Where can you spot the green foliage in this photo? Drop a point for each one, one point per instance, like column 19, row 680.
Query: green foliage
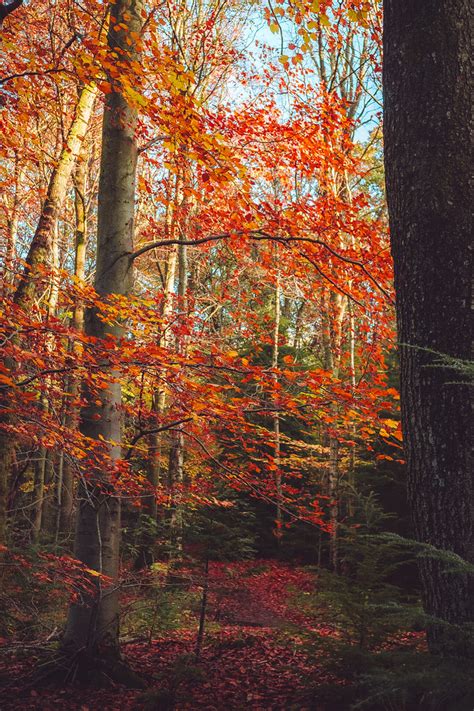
column 142, row 534
column 161, row 610
column 363, row 602
column 407, row 680
column 377, row 653
column 222, row 533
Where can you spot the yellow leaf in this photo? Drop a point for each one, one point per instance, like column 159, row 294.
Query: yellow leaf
column 135, row 97
column 274, row 27
column 392, row 424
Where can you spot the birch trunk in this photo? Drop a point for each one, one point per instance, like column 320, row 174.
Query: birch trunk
column 176, row 457
column 41, row 244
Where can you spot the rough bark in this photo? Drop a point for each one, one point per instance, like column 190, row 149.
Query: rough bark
column 428, row 171
column 93, row 627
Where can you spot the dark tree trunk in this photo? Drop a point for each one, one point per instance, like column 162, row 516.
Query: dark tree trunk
column 428, row 168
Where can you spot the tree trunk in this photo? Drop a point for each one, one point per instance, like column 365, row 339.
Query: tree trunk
column 38, row 495
column 66, row 491
column 38, row 255
column 41, row 244
column 276, row 415
column 12, row 226
column 48, row 502
column 155, row 440
column 176, row 456
column 334, row 313
column 93, row 627
column 428, row 170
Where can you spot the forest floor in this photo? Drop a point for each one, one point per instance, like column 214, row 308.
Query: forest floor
column 257, row 653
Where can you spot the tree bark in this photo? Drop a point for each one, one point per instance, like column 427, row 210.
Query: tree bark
column 176, row 455
column 428, row 170
column 276, row 415
column 93, row 627
column 41, row 244
column 66, row 490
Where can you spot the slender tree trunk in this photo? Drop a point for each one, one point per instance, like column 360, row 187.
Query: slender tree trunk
column 93, row 627
column 66, row 490
column 38, row 255
column 176, row 457
column 38, row 495
column 12, row 224
column 155, row 440
column 352, row 454
column 159, row 396
column 428, row 90
column 335, row 308
column 276, row 416
column 48, row 501
column 202, row 614
column 41, row 244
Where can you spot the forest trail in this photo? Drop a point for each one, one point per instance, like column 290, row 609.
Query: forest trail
column 253, row 656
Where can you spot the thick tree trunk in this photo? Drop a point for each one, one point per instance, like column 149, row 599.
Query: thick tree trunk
column 428, row 171
column 93, row 626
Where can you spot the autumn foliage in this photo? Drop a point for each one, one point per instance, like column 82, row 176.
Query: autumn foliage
column 254, row 348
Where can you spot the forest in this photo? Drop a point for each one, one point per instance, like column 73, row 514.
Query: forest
column 236, row 355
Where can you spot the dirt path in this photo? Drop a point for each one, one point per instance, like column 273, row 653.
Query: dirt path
column 247, row 662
